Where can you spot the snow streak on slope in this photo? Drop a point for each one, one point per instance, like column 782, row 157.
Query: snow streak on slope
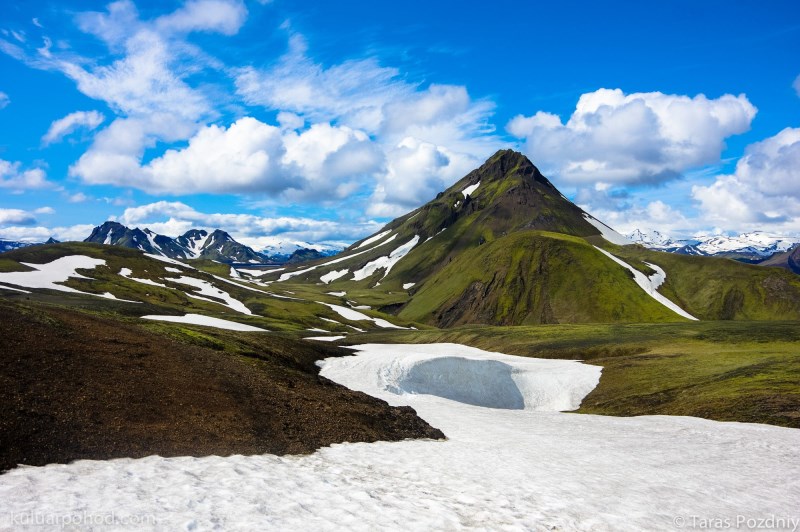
column 387, row 263
column 208, row 321
column 607, row 233
column 333, row 275
column 49, row 274
column 208, row 289
column 127, row 273
column 354, row 315
column 650, row 284
column 471, row 189
column 337, row 260
column 500, row 469
column 372, row 239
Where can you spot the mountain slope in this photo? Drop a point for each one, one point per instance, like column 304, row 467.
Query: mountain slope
column 502, row 246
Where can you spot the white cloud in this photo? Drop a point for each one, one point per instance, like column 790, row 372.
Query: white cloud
column 78, row 197
column 40, row 234
column 45, row 210
column 796, row 85
column 16, row 217
column 222, row 16
column 764, row 190
column 635, row 138
column 64, row 126
column 175, row 218
column 4, row 100
column 14, row 178
column 416, row 171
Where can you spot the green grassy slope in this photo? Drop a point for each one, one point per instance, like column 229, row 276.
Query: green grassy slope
column 722, row 289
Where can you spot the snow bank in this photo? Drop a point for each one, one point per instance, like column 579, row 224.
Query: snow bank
column 169, row 260
column 464, row 374
column 48, row 275
column 471, row 189
column 649, row 284
column 607, row 233
column 208, row 321
column 128, row 274
column 337, row 260
column 499, row 469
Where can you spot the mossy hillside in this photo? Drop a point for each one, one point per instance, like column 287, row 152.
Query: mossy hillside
column 532, row 277
column 727, row 371
column 722, row 289
column 270, row 311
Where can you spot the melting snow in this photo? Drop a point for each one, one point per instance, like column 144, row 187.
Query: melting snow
column 337, row 294
column 373, row 239
column 354, row 315
column 386, row 262
column 289, row 275
column 607, row 233
column 126, row 272
column 500, row 468
column 470, row 189
column 333, row 275
column 406, row 286
column 260, row 272
column 324, row 338
column 208, row 289
column 208, row 321
column 169, row 260
column 57, row 271
column 650, row 284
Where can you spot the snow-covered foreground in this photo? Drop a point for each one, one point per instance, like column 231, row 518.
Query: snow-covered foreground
column 525, row 466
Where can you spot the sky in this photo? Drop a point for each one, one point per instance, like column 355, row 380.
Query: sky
column 320, row 121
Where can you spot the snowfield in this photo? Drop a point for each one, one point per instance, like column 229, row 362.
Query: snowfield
column 500, row 468
column 207, row 321
column 49, row 275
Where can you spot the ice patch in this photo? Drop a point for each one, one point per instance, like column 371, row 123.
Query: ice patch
column 650, row 284
column 387, row 263
column 470, row 189
column 208, row 321
column 607, row 233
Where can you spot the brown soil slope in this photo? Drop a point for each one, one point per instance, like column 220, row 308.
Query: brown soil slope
column 77, row 386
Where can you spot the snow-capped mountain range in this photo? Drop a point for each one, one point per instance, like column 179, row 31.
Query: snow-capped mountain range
column 754, row 245
column 200, row 244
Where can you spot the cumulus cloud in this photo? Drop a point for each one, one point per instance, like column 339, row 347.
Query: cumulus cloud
column 45, row 210
column 175, row 218
column 634, row 138
column 763, row 191
column 4, row 100
column 40, row 234
column 64, row 126
column 16, row 217
column 13, row 177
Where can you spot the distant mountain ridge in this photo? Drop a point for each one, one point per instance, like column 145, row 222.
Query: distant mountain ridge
column 194, row 244
column 755, row 246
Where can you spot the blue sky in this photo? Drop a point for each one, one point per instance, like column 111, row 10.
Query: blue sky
column 320, row 121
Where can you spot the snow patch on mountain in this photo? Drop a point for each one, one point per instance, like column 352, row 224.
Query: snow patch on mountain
column 607, row 233
column 386, row 262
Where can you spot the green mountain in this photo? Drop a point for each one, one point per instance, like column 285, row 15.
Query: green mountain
column 503, row 246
